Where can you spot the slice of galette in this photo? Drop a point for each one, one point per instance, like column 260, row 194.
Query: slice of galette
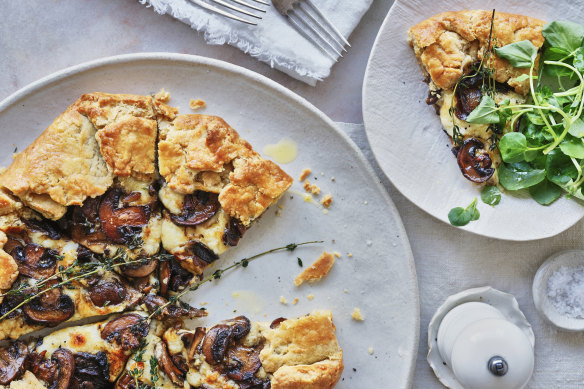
column 457, row 52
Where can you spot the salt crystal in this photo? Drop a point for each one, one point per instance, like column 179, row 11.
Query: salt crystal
column 565, row 290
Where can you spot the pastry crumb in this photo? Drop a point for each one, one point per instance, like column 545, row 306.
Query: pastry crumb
column 295, row 301
column 345, row 290
column 356, row 315
column 162, row 96
column 327, row 200
column 332, row 179
column 283, row 300
column 365, row 202
column 197, row 104
column 203, row 303
column 370, row 350
column 317, row 270
column 278, row 212
column 337, row 254
column 280, row 206
column 311, row 188
column 235, row 294
column 310, row 297
column 349, row 255
column 325, row 211
column 305, row 173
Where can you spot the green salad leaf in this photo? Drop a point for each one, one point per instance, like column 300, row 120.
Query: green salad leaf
column 519, row 175
column 545, row 192
column 491, row 195
column 513, row 146
column 563, row 35
column 519, row 54
column 486, row 112
column 459, row 216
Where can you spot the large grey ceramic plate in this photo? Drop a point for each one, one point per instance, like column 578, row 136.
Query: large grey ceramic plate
column 380, row 276
column 407, row 138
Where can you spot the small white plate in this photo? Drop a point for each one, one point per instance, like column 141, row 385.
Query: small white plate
column 504, row 302
column 570, row 258
column 409, row 144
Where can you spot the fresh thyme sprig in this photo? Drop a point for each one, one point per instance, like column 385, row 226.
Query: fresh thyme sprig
column 487, row 72
column 218, row 273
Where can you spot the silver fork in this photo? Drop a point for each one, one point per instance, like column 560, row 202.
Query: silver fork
column 304, row 16
column 237, row 10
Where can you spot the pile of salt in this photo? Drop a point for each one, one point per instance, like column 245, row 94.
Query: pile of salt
column 565, row 290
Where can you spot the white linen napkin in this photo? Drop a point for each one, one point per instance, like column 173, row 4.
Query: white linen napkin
column 273, row 40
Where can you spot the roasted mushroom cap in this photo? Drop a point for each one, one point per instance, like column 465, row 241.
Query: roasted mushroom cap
column 110, row 292
column 197, row 208
column 195, row 342
column 121, row 225
column 173, row 276
column 59, row 368
column 233, row 232
column 12, row 361
column 138, row 270
column 468, row 96
column 474, row 161
column 35, row 261
column 216, row 343
column 83, row 222
column 276, row 322
column 242, row 362
column 50, row 308
column 91, row 371
column 10, row 302
column 241, row 326
column 175, row 371
column 127, row 330
column 196, row 253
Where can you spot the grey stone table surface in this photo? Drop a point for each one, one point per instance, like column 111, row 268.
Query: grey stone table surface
column 39, row 37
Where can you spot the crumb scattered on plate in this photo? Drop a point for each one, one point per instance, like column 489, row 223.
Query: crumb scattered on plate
column 327, row 200
column 305, row 173
column 295, row 301
column 349, row 255
column 310, row 297
column 283, row 300
column 317, row 270
column 346, row 290
column 332, row 179
column 337, row 254
column 162, row 96
column 370, row 350
column 356, row 315
column 197, row 104
column 311, row 188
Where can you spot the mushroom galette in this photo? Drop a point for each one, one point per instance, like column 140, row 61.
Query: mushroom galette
column 456, row 52
column 121, row 203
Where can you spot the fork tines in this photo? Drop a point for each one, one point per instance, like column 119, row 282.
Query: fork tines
column 313, row 25
column 224, row 6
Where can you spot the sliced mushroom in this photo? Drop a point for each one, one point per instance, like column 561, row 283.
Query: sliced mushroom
column 66, row 367
column 468, row 96
column 172, row 311
column 198, row 337
column 127, row 330
column 35, row 261
column 176, row 373
column 125, row 382
column 91, row 371
column 216, row 343
column 10, row 302
column 84, row 222
column 12, row 361
column 164, row 277
column 44, row 226
column 50, row 308
column 121, row 225
column 276, row 323
column 198, row 254
column 138, row 270
column 474, row 161
column 110, row 292
column 242, row 362
column 233, row 232
column 255, row 383
column 241, row 326
column 197, row 208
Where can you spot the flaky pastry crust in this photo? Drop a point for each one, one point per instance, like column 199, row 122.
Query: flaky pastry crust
column 447, row 43
column 201, row 152
column 303, row 353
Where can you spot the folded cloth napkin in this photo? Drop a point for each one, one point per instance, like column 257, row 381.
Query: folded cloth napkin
column 273, row 40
